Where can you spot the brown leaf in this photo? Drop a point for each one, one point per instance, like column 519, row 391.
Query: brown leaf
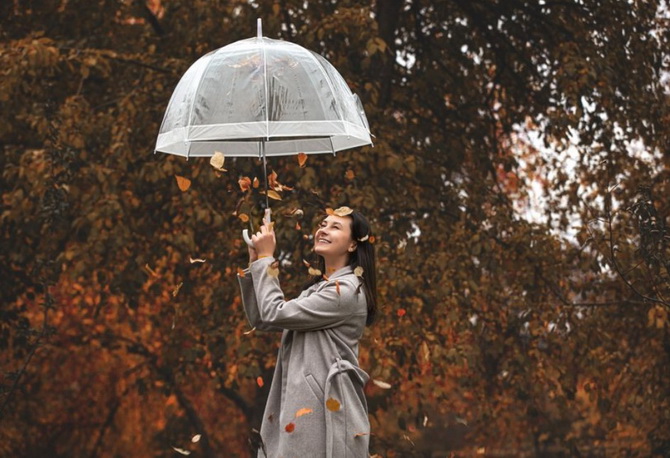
column 314, row 272
column 272, row 194
column 183, row 183
column 240, row 272
column 245, row 183
column 290, row 427
column 273, row 269
column 349, row 175
column 333, row 404
column 244, row 217
column 302, row 159
column 256, row 183
column 303, row 411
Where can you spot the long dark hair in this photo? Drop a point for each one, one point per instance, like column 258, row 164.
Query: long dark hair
column 363, row 256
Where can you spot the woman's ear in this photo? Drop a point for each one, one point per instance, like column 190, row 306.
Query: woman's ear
column 352, row 247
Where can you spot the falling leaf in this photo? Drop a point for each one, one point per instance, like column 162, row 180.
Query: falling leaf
column 193, row 261
column 272, row 181
column 363, row 239
column 302, row 412
column 314, row 272
column 183, row 183
column 358, row 271
column 217, row 161
column 290, row 427
column 272, row 194
column 246, row 333
column 401, row 312
column 382, row 385
column 196, row 438
column 343, row 211
column 244, row 217
column 181, row 450
column 260, row 382
column 151, row 271
column 372, row 239
column 333, row 404
column 330, row 211
column 176, row 290
column 256, row 183
column 297, row 226
column 273, row 269
column 302, row 159
column 240, row 272
column 245, row 183
column 337, row 287
column 349, row 175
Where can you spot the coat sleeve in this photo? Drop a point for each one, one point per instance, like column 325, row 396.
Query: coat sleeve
column 250, row 304
column 329, row 306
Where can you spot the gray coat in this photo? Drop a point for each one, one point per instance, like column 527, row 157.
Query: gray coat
column 317, row 365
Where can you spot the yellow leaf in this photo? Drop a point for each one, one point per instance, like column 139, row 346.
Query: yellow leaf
column 358, row 271
column 333, row 405
column 273, row 269
column 272, row 194
column 382, row 385
column 302, row 159
column 314, row 272
column 176, row 290
column 302, row 412
column 196, row 438
column 196, row 260
column 343, row 211
column 183, row 183
column 217, row 161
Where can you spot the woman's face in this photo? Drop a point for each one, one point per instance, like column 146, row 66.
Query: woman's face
column 333, row 237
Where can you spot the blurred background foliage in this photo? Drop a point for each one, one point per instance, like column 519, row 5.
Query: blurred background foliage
column 517, row 186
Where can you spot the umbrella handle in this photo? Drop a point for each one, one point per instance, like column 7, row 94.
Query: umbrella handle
column 245, row 232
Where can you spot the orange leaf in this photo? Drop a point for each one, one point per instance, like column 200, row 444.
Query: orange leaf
column 302, row 159
column 272, row 180
column 272, row 194
column 329, row 211
column 183, row 183
column 244, row 217
column 260, row 382
column 245, row 183
column 290, row 427
column 240, row 272
column 256, row 183
column 372, row 239
column 337, row 287
column 333, row 405
column 302, row 412
column 349, row 175
column 297, row 226
column 401, row 312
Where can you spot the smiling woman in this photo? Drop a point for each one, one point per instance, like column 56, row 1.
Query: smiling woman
column 316, row 406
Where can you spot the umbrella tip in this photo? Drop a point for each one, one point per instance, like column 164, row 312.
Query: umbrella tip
column 259, row 28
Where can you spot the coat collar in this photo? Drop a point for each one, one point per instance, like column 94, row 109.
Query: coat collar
column 346, row 270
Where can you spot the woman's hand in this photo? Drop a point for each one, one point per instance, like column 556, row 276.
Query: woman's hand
column 264, row 241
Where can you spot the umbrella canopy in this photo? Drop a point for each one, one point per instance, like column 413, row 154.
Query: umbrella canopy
column 262, row 97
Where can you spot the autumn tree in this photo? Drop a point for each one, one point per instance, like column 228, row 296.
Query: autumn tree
column 517, row 187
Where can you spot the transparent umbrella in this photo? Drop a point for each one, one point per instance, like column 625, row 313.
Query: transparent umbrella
column 261, row 97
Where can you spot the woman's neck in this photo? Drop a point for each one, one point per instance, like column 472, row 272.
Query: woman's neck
column 333, row 265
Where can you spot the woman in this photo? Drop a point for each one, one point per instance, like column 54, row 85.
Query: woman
column 316, row 406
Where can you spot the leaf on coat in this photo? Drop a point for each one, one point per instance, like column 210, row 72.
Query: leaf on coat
column 196, row 438
column 333, row 404
column 183, row 183
column 302, row 160
column 337, row 287
column 245, row 184
column 303, row 411
column 382, row 385
column 273, row 269
column 260, row 382
column 358, row 271
column 181, row 451
column 290, row 427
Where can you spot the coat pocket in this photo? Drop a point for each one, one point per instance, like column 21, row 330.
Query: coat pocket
column 314, row 386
